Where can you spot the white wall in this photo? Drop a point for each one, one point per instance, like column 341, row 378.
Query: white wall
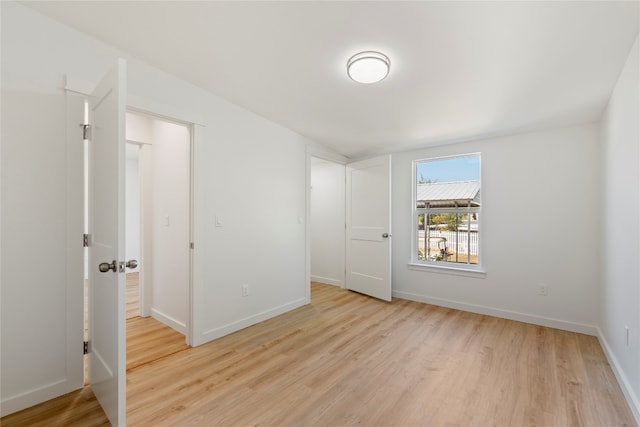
column 139, row 128
column 620, row 291
column 247, row 170
column 170, row 217
column 539, row 224
column 252, row 178
column 132, row 203
column 42, row 223
column 327, row 195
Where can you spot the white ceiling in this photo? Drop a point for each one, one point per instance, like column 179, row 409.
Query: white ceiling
column 459, row 70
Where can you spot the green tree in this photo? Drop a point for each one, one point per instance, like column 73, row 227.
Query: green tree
column 423, row 180
column 454, row 221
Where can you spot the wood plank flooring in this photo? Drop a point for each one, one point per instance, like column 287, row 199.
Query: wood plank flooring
column 133, row 295
column 347, row 359
column 149, row 340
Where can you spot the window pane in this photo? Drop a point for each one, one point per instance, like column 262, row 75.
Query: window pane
column 449, row 182
column 448, row 237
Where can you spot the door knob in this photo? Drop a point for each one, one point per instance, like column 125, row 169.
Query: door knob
column 386, row 235
column 105, row 266
column 132, row 263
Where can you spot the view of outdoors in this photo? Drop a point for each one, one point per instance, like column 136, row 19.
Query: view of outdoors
column 447, row 209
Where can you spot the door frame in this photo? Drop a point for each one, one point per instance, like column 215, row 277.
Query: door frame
column 145, row 290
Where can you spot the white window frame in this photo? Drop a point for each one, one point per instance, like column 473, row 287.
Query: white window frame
column 471, row 270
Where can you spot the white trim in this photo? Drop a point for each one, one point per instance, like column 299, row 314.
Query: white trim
column 192, row 235
column 458, row 270
column 632, row 399
column 549, row 322
column 307, row 228
column 169, row 321
column 229, row 328
column 322, row 152
column 445, row 269
column 133, row 141
column 145, row 173
column 142, row 105
column 327, row 280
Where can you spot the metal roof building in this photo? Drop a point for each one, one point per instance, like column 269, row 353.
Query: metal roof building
column 448, row 194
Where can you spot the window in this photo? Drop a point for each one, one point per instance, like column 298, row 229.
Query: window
column 447, row 211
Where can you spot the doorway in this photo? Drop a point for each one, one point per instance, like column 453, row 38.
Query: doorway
column 158, row 218
column 327, row 221
column 132, row 220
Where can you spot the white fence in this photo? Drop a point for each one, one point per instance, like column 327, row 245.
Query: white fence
column 457, row 241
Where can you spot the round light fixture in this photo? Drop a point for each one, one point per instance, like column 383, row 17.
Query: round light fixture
column 368, row 67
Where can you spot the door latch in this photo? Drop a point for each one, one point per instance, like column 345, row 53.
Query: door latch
column 123, row 265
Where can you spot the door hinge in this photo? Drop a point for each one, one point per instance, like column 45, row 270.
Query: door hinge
column 85, row 347
column 191, row 245
column 86, row 131
column 85, row 240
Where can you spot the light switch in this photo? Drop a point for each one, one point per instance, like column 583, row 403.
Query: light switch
column 219, row 222
column 166, row 220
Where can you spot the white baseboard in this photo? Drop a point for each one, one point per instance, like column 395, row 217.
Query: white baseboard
column 36, row 396
column 632, row 398
column 221, row 331
column 169, row 321
column 327, row 280
column 504, row 314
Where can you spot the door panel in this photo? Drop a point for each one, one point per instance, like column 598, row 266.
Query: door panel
column 107, row 339
column 368, row 220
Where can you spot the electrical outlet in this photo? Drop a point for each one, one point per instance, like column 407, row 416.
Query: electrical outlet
column 543, row 290
column 245, row 290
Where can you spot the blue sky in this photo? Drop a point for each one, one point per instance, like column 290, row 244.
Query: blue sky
column 450, row 169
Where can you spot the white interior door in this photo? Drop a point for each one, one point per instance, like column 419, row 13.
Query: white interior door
column 107, row 340
column 369, row 227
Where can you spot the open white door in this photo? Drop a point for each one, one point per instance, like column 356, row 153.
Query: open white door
column 107, row 329
column 369, row 227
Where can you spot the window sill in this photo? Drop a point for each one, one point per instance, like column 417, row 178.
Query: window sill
column 441, row 269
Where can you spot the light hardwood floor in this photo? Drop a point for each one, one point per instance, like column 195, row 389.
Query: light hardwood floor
column 149, row 340
column 133, row 295
column 348, row 359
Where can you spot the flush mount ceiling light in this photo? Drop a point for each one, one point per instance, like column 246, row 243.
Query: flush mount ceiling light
column 368, row 67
